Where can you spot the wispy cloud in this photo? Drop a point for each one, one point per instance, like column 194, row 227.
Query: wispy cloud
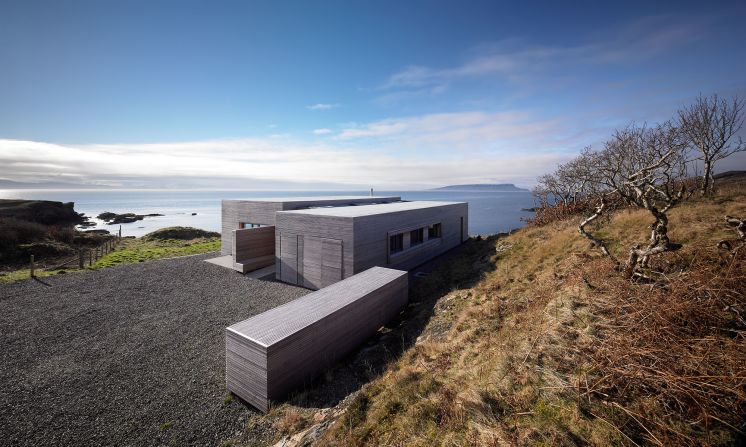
column 472, row 132
column 512, row 59
column 322, row 131
column 322, row 106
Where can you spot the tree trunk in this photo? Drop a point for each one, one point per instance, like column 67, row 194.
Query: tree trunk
column 659, row 243
column 706, row 189
column 594, row 240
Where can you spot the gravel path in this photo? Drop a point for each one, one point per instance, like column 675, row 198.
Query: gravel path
column 130, row 355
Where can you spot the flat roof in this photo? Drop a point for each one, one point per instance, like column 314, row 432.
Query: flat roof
column 274, row 325
column 314, row 199
column 370, row 210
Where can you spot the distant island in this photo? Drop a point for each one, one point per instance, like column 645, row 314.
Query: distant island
column 482, row 187
column 10, row 184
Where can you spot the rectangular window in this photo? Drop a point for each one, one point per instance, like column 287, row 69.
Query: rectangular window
column 433, row 231
column 416, row 236
column 396, row 243
column 243, row 225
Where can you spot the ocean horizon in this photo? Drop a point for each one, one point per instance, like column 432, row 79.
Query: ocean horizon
column 489, row 211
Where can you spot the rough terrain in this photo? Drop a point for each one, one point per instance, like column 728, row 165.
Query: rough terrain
column 130, row 355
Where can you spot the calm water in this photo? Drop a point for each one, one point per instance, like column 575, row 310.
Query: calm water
column 489, row 212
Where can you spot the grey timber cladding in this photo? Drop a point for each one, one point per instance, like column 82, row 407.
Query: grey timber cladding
column 253, row 248
column 253, row 242
column 277, row 351
column 372, row 235
column 262, row 211
column 363, row 233
column 300, row 249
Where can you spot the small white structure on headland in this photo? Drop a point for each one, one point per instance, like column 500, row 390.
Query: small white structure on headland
column 316, row 241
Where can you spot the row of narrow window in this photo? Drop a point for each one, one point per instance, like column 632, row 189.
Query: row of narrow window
column 243, row 225
column 416, row 237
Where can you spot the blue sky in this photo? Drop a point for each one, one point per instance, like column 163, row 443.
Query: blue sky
column 388, row 94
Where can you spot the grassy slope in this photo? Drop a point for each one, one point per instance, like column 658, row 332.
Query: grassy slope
column 140, row 250
column 131, row 251
column 502, row 361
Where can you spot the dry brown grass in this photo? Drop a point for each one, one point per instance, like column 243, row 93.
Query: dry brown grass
column 552, row 347
column 672, row 355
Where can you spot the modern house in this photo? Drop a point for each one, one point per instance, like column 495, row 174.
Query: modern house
column 317, row 241
column 354, row 251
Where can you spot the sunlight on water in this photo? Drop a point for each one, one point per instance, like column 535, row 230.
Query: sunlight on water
column 489, row 212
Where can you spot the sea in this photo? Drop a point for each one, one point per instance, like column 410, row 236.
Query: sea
column 489, row 212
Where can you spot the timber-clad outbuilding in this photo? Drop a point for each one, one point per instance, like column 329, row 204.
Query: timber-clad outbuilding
column 277, row 351
column 317, row 241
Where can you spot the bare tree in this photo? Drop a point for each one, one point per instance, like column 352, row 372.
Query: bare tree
column 657, row 187
column 642, row 167
column 569, row 183
column 710, row 125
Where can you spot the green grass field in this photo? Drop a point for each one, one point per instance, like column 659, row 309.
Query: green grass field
column 130, row 251
column 138, row 250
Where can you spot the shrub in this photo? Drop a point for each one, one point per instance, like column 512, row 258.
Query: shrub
column 548, row 214
column 61, row 234
column 15, row 231
column 184, row 233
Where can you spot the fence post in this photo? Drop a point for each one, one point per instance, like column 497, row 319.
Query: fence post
column 120, row 232
column 32, row 266
column 90, row 257
column 81, row 261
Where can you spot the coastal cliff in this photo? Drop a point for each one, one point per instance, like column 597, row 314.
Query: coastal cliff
column 45, row 212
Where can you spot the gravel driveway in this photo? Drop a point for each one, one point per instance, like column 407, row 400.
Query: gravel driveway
column 130, row 355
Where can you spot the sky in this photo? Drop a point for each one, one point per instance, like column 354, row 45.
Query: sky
column 343, row 94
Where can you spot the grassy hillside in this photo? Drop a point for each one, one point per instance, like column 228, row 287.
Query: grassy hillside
column 534, row 339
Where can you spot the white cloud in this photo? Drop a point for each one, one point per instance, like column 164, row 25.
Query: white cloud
column 470, row 132
column 323, row 131
column 410, row 152
column 322, row 106
column 247, row 160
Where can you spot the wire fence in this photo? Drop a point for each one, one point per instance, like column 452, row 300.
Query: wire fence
column 84, row 256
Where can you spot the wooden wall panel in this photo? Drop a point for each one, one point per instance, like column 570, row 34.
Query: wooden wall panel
column 253, row 248
column 253, row 242
column 311, row 262
column 322, row 262
column 289, row 257
column 313, row 229
column 275, row 352
column 371, row 236
column 331, row 261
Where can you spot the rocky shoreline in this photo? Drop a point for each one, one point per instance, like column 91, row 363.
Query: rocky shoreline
column 113, row 218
